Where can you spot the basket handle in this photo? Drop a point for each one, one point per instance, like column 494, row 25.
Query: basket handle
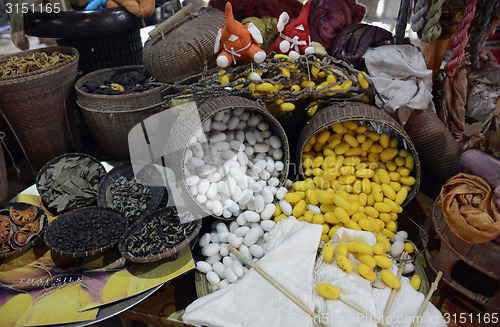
column 32, row 170
column 179, row 16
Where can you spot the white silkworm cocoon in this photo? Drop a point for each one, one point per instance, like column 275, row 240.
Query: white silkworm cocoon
column 409, row 268
column 270, row 165
column 197, row 150
column 221, row 227
column 201, row 198
column 237, row 111
column 240, row 136
column 224, row 283
column 242, row 159
column 222, row 187
column 217, row 209
column 314, row 209
column 217, row 137
column 403, row 234
column 203, row 266
column 245, row 196
column 250, row 137
column 232, row 123
column 259, row 203
column 240, row 178
column 399, row 238
column 233, row 226
column 249, row 151
column 228, row 155
column 273, row 181
column 220, row 146
column 219, row 115
column 234, row 240
column 251, row 237
column 224, row 249
column 214, row 178
column 206, row 125
column 275, row 142
column 193, row 190
column 258, row 137
column 219, row 268
column 210, row 249
column 288, row 183
column 214, row 288
column 226, row 117
column 286, row 208
column 263, row 126
column 237, row 145
column 267, row 194
column 231, row 206
column 238, row 268
column 277, row 154
column 267, row 225
column 223, row 236
column 212, row 191
column 214, row 238
column 230, row 275
column 268, row 211
column 257, row 251
column 192, row 180
column 227, row 261
column 266, row 135
column 280, row 194
column 246, row 252
column 203, row 186
column 214, row 258
column 244, row 117
column 251, row 216
column 265, row 237
column 241, row 231
column 254, row 121
column 397, row 248
column 188, row 155
column 206, row 170
column 195, row 162
column 204, row 240
column 226, row 213
column 213, row 278
column 279, row 166
column 265, row 175
column 218, row 126
column 241, row 219
column 261, row 147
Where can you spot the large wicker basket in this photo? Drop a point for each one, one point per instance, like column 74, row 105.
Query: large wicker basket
column 35, row 105
column 367, row 114
column 110, row 117
column 187, row 49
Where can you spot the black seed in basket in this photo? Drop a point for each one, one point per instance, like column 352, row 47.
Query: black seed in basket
column 128, row 196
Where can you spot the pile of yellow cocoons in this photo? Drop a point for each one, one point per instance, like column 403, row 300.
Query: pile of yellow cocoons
column 355, row 178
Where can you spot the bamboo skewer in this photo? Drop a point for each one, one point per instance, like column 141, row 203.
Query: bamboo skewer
column 315, row 316
column 427, row 299
column 404, row 256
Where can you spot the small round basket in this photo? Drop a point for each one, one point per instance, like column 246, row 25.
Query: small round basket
column 158, row 236
column 184, row 133
column 186, row 49
column 73, row 175
column 21, row 226
column 129, row 204
column 367, row 115
column 85, row 231
column 110, row 117
column 23, row 97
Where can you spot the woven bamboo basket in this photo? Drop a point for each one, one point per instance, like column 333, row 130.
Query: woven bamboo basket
column 186, row 49
column 438, row 149
column 367, row 115
column 184, row 130
column 110, row 117
column 3, row 173
column 35, row 104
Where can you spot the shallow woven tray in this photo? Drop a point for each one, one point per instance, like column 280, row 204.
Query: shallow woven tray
column 183, row 132
column 358, row 111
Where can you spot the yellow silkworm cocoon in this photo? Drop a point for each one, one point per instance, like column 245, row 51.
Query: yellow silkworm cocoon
column 395, row 186
column 306, row 83
column 300, row 186
column 401, row 196
column 365, row 173
column 350, row 125
column 372, row 135
column 339, row 128
column 365, row 224
column 359, row 247
column 382, row 260
column 341, row 215
column 408, row 180
column 376, row 148
column 295, row 88
column 352, row 161
column 346, row 179
column 382, row 207
column 285, row 71
column 388, row 233
column 360, row 138
column 371, row 211
column 383, row 175
column 323, row 136
column 333, row 229
column 367, row 260
column 378, row 223
column 299, row 209
column 394, row 216
column 409, row 247
column 351, row 140
column 394, row 176
column 392, row 204
column 385, row 217
column 347, row 170
column 308, row 216
column 369, row 201
column 342, row 202
column 400, row 161
column 331, row 79
column 410, row 163
column 378, row 248
column 357, row 216
column 329, row 161
column 319, row 219
column 328, row 291
column 388, row 154
column 277, row 211
column 341, row 249
column 318, row 172
column 415, row 282
column 312, row 110
column 293, row 197
column 287, row 106
column 388, row 191
column 307, row 162
column 223, row 79
column 385, row 241
column 390, row 279
column 351, row 224
column 363, row 197
column 384, row 140
column 391, row 165
column 403, row 171
column 344, row 263
column 333, row 143
column 366, row 272
column 331, row 218
column 324, row 238
column 357, row 187
column 362, row 81
column 345, row 85
column 326, row 228
column 324, row 197
column 264, row 87
column 341, row 148
column 393, row 143
column 311, row 197
column 317, row 162
column 367, row 144
column 373, row 158
column 353, row 152
column 328, row 252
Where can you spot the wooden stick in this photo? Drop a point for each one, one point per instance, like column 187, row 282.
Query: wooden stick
column 315, row 316
column 361, row 310
column 404, row 256
column 171, row 21
column 427, row 299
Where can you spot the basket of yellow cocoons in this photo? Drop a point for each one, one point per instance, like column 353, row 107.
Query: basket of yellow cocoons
column 359, row 168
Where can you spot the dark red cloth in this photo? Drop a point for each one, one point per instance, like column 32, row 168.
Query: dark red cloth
column 259, row 8
column 327, row 17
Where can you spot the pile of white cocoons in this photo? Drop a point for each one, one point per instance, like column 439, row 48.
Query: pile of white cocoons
column 222, row 267
column 233, row 163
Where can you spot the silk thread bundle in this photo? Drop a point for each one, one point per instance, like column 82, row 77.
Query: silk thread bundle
column 420, row 15
column 403, row 15
column 461, row 38
column 432, row 29
column 479, row 37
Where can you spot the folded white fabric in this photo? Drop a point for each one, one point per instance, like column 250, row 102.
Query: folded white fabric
column 400, row 77
column 359, row 291
column 253, row 301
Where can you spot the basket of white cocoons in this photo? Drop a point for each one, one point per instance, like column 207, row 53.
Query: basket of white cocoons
column 233, row 165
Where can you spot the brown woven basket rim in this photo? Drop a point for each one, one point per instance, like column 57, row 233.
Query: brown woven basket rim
column 365, row 115
column 90, row 75
column 40, row 73
column 114, row 111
